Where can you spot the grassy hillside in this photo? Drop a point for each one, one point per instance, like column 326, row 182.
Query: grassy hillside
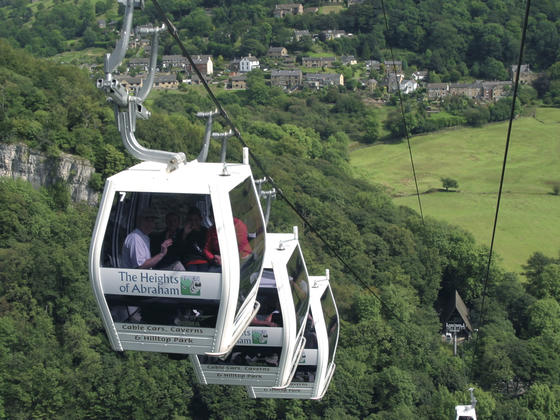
column 529, row 218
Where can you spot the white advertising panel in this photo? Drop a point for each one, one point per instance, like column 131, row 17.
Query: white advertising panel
column 155, row 283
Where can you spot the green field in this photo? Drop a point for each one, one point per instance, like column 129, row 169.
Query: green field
column 529, row 218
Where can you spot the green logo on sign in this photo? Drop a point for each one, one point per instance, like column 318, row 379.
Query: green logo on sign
column 259, row 337
column 191, row 286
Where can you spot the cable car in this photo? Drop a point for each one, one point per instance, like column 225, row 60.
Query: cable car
column 268, row 351
column 316, row 366
column 178, row 304
column 466, row 412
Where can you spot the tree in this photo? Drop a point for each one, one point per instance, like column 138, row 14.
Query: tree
column 449, row 183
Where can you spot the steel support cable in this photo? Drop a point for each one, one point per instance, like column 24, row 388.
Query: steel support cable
column 405, row 126
column 173, row 31
column 504, row 163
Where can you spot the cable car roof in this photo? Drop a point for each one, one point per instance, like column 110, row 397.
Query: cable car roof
column 193, row 177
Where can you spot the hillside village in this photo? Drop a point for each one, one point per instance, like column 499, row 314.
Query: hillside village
column 291, row 70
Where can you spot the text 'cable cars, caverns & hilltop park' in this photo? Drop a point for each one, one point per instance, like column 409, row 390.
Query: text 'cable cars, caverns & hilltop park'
column 155, row 299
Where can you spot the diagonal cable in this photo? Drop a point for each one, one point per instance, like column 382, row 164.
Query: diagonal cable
column 511, row 117
column 405, row 126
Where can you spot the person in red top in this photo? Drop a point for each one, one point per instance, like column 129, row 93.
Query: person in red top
column 212, row 247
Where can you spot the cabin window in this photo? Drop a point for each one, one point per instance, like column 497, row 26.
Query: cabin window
column 305, row 373
column 270, row 312
column 247, row 356
column 249, row 228
column 139, row 223
column 128, row 309
column 331, row 320
column 300, row 287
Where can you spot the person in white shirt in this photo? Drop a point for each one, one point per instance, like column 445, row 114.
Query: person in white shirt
column 136, row 249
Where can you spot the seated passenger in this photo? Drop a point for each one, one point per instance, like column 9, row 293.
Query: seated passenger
column 212, row 247
column 171, row 260
column 136, row 249
column 193, row 240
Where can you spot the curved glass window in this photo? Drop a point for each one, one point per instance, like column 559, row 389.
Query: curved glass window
column 247, row 356
column 163, row 311
column 300, row 287
column 141, row 225
column 331, row 320
column 270, row 312
column 249, row 228
column 305, row 373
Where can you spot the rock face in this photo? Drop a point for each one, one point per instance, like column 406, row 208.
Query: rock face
column 18, row 161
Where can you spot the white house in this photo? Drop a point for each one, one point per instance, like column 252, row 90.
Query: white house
column 247, row 64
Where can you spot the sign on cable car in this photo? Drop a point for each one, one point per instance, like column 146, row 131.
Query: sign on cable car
column 316, row 366
column 268, row 351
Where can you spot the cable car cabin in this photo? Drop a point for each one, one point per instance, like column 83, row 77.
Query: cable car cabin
column 268, row 351
column 316, row 366
column 176, row 257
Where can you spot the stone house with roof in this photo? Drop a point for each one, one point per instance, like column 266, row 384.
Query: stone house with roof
column 321, row 80
column 282, row 10
column 165, row 81
column 286, row 79
column 238, row 82
column 317, row 62
column 277, row 52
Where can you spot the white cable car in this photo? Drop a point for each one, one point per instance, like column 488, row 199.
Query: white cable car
column 316, row 366
column 466, row 412
column 268, row 351
column 191, row 309
column 183, row 292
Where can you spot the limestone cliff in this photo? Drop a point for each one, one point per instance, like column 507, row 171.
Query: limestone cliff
column 18, row 161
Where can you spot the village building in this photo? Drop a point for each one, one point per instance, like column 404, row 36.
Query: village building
column 437, row 90
column 348, row 60
column 282, row 10
column 420, row 75
column 317, row 62
column 286, row 79
column 457, row 325
column 331, row 34
column 277, row 52
column 391, row 66
column 238, row 82
column 372, row 65
column 526, row 76
column 493, row 91
column 130, row 83
column 174, row 62
column 165, row 81
column 320, row 80
column 249, row 63
column 470, row 90
column 203, row 63
column 139, row 63
column 300, row 34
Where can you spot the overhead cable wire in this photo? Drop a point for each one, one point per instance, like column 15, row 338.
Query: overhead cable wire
column 504, row 163
column 405, row 126
column 174, row 33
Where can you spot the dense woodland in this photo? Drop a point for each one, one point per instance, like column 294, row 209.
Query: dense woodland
column 55, row 360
